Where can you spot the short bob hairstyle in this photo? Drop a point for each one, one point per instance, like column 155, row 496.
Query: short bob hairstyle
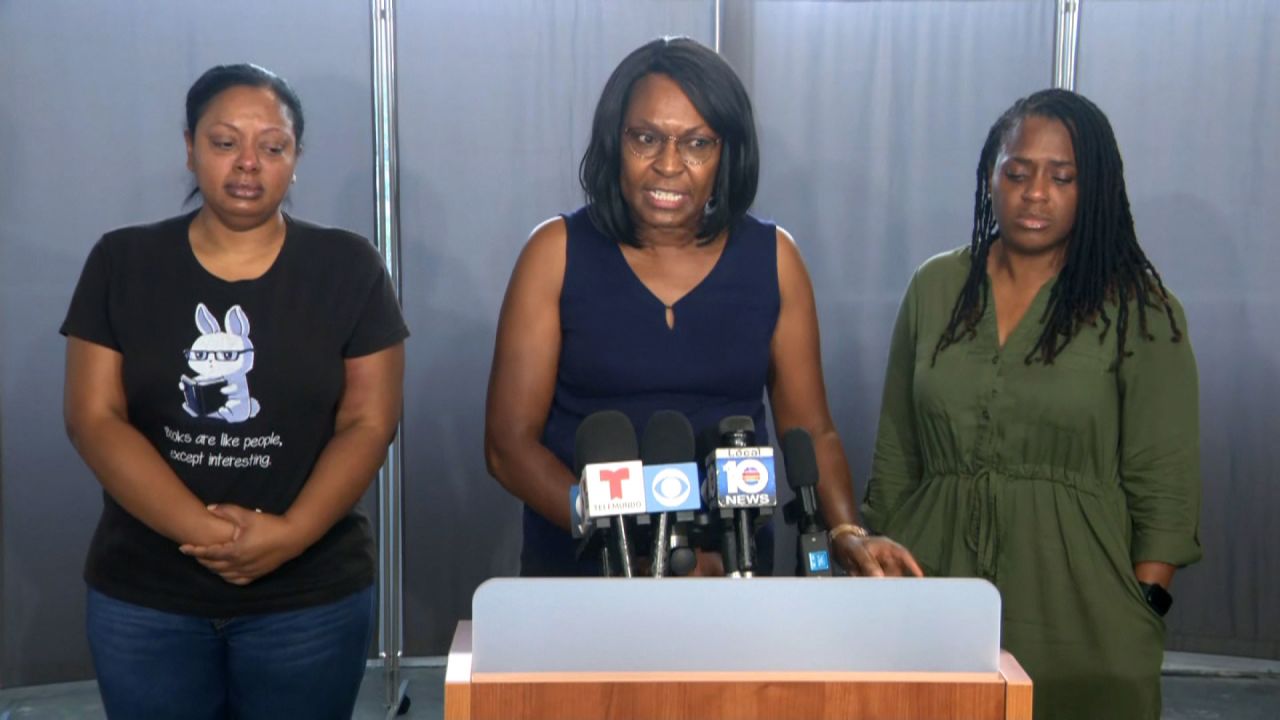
column 718, row 96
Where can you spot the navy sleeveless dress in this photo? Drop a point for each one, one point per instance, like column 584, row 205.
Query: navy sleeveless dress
column 617, row 353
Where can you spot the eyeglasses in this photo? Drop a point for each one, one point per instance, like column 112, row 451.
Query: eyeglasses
column 222, row 355
column 647, row 145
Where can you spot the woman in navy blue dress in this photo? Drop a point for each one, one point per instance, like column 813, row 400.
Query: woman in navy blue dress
column 661, row 293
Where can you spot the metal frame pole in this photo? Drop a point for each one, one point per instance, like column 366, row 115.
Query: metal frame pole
column 1066, row 42
column 387, row 238
column 716, row 15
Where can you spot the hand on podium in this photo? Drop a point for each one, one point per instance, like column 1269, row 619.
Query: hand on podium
column 874, row 556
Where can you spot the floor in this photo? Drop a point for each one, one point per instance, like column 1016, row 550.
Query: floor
column 1196, row 687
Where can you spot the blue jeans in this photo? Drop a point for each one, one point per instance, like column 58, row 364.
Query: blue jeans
column 299, row 664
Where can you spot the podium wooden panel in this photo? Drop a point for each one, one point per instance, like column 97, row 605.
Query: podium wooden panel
column 1005, row 694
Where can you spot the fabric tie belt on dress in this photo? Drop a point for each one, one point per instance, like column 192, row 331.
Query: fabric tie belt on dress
column 984, row 520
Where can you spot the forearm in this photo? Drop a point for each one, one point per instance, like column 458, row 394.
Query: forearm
column 340, row 478
column 133, row 473
column 835, row 485
column 532, row 473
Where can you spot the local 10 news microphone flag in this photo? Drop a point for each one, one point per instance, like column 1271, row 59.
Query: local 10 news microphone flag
column 813, row 550
column 672, row 496
column 611, row 485
column 741, row 489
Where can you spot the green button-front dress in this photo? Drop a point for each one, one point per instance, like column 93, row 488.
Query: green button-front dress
column 1051, row 481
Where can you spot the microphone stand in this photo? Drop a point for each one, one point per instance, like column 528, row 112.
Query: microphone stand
column 661, row 545
column 623, row 547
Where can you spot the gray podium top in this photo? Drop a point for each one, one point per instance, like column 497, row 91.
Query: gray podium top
column 736, row 625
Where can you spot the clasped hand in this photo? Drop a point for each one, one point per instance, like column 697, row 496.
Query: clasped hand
column 260, row 543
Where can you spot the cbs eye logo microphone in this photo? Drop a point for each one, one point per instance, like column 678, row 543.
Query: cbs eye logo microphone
column 671, row 487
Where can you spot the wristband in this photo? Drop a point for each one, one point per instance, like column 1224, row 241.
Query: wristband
column 846, row 529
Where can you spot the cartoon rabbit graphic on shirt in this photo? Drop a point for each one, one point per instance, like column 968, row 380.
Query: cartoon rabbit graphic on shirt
column 222, row 361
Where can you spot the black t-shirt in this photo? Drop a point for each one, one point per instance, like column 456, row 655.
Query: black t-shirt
column 237, row 386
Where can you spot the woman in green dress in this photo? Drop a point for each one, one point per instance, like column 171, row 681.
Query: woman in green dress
column 1039, row 426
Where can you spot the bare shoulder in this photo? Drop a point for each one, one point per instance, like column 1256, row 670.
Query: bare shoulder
column 786, row 241
column 542, row 261
column 791, row 267
column 547, row 242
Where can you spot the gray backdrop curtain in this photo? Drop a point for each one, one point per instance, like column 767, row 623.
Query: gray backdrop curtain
column 871, row 116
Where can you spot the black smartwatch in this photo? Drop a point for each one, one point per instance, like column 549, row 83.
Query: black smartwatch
column 1157, row 597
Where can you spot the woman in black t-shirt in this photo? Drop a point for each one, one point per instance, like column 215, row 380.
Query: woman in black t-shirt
column 233, row 379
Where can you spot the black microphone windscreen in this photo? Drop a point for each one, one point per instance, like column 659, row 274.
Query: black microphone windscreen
column 668, row 438
column 801, row 461
column 737, row 423
column 605, row 436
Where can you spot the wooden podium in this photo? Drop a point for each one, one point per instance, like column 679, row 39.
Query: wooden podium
column 540, row 653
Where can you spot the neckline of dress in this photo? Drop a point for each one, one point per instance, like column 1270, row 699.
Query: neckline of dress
column 647, row 292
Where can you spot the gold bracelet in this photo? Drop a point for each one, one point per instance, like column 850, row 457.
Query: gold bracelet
column 846, row 529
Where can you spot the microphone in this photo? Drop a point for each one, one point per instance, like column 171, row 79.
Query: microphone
column 670, row 480
column 741, row 485
column 611, row 482
column 813, row 550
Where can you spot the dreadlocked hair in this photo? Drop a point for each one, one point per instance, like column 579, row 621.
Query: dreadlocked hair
column 1103, row 263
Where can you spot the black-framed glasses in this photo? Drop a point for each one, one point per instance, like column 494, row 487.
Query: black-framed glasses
column 221, row 355
column 647, row 145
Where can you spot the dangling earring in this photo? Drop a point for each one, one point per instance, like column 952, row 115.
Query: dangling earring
column 294, row 181
column 712, row 205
